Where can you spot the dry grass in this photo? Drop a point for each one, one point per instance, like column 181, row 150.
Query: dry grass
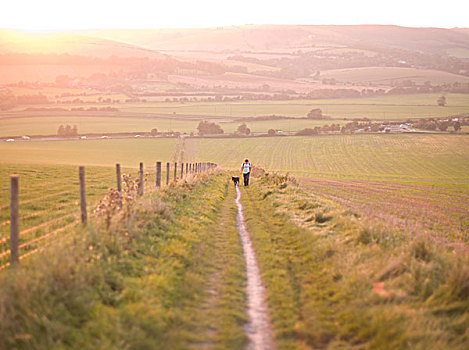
column 335, row 279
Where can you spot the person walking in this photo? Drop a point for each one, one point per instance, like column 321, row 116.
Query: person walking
column 246, row 170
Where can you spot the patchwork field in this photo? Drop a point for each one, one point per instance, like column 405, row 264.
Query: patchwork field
column 112, row 124
column 389, row 75
column 184, row 117
column 421, row 158
column 384, row 107
column 417, row 183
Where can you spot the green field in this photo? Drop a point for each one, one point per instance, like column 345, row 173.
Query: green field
column 49, row 200
column 382, row 108
column 101, row 124
column 389, row 75
column 97, row 124
column 428, row 158
column 128, row 152
column 184, row 117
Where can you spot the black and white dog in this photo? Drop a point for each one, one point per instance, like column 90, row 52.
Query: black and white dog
column 235, row 180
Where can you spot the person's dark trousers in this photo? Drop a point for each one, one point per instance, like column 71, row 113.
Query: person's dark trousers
column 246, row 179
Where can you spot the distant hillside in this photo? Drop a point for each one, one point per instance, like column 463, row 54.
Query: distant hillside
column 72, row 44
column 287, row 37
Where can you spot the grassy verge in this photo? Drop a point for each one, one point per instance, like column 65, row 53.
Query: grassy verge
column 139, row 284
column 335, row 280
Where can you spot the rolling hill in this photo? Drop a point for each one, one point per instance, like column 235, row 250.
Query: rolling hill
column 288, row 37
column 71, row 44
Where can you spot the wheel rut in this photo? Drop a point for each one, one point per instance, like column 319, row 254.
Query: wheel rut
column 259, row 328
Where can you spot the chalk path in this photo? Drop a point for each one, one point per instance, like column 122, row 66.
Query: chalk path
column 258, row 329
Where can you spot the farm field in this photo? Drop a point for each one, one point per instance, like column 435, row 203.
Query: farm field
column 19, row 126
column 417, row 183
column 49, row 202
column 376, row 108
column 49, row 199
column 127, row 152
column 412, row 208
column 388, row 75
column 92, row 124
column 184, row 117
column 406, row 158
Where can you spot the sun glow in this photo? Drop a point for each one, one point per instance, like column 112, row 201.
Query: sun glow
column 55, row 15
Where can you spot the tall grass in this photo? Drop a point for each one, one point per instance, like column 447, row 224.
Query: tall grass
column 134, row 282
column 350, row 281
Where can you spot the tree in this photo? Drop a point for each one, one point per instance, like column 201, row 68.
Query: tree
column 243, row 129
column 315, row 113
column 271, row 132
column 457, row 126
column 308, row 132
column 443, row 126
column 154, row 132
column 68, row 130
column 74, row 131
column 61, row 131
column 208, row 128
column 441, row 101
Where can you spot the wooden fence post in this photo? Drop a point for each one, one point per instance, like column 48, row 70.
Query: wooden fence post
column 118, row 177
column 175, row 171
column 187, row 168
column 158, row 174
column 140, row 180
column 167, row 173
column 182, row 170
column 14, row 220
column 81, row 175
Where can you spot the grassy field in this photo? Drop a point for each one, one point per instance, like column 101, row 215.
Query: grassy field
column 389, row 75
column 101, row 124
column 382, row 108
column 152, row 276
column 184, row 117
column 418, row 158
column 418, row 183
column 49, row 197
column 368, row 251
column 96, row 124
column 335, row 279
column 127, row 152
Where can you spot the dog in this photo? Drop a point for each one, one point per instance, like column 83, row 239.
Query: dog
column 235, row 180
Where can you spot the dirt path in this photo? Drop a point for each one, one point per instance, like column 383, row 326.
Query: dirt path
column 258, row 329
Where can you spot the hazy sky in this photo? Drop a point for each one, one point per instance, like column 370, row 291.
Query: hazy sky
column 95, row 14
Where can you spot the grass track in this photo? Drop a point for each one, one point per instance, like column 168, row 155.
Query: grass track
column 333, row 282
column 170, row 278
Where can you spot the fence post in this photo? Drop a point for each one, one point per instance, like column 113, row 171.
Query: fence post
column 158, row 174
column 187, row 168
column 167, row 173
column 14, row 220
column 140, row 178
column 175, row 171
column 182, row 170
column 118, row 177
column 81, row 175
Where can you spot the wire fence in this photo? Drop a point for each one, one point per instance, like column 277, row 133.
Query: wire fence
column 40, row 204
